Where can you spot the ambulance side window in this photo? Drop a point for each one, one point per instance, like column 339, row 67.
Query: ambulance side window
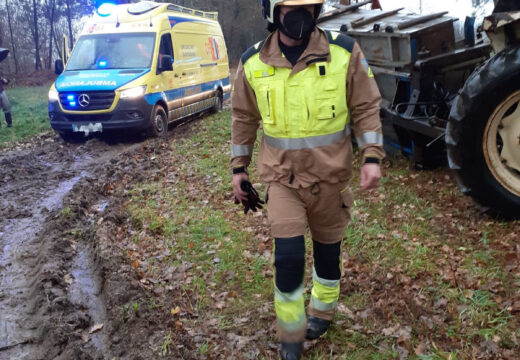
column 166, row 47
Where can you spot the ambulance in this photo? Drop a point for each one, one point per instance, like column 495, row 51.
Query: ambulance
column 140, row 66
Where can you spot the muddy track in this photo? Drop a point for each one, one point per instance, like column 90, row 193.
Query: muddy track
column 54, row 270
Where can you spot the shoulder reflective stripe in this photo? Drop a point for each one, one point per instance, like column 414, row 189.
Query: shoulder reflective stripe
column 251, row 51
column 368, row 138
column 342, row 40
column 241, row 150
column 328, row 283
column 306, row 143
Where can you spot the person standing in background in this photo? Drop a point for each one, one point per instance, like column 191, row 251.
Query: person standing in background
column 4, row 102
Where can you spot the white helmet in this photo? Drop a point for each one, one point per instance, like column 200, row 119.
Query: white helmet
column 268, row 7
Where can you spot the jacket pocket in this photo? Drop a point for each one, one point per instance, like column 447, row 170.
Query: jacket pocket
column 263, row 98
column 270, row 99
column 327, row 100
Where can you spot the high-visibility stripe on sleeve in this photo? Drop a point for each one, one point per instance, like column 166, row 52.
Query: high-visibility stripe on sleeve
column 306, row 142
column 241, row 150
column 369, row 138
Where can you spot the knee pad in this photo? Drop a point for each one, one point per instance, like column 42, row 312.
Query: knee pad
column 327, row 260
column 289, row 262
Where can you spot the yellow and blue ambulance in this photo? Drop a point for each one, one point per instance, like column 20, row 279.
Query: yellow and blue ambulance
column 140, row 66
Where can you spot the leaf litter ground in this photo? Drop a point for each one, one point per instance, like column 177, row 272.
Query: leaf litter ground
column 182, row 273
column 426, row 275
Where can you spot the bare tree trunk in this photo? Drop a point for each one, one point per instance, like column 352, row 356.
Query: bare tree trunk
column 52, row 5
column 1, row 33
column 13, row 47
column 57, row 42
column 38, row 62
column 69, row 21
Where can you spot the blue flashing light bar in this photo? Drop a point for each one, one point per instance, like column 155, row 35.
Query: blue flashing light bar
column 72, row 103
column 102, row 63
column 106, row 9
column 70, row 97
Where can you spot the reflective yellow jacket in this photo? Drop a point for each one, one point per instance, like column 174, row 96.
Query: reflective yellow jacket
column 305, row 110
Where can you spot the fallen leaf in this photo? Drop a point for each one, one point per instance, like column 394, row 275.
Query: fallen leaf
column 175, row 310
column 95, row 328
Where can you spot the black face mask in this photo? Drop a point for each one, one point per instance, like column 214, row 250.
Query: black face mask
column 298, row 24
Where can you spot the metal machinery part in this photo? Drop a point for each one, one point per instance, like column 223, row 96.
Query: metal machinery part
column 420, row 70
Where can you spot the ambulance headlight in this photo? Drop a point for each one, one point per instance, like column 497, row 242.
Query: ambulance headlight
column 53, row 95
column 133, row 92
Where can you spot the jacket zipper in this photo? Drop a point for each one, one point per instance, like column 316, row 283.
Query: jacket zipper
column 268, row 104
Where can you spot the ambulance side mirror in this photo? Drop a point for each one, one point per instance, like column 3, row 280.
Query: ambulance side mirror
column 166, row 63
column 58, row 66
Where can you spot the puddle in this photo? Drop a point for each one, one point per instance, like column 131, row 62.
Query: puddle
column 55, row 199
column 85, row 291
column 101, row 207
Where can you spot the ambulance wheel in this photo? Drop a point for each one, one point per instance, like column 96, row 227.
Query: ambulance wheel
column 218, row 103
column 159, row 123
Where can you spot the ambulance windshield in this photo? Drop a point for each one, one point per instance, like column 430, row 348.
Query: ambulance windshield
column 112, row 51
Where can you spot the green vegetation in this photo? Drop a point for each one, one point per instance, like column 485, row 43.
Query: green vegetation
column 30, row 114
column 423, row 277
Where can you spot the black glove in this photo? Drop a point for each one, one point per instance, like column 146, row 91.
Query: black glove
column 253, row 201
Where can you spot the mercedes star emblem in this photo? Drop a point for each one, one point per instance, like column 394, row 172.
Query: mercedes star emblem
column 84, row 100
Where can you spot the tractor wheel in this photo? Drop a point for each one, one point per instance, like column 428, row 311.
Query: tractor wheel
column 483, row 135
column 158, row 122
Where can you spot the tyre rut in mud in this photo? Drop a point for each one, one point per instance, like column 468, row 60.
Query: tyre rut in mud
column 51, row 295
column 62, row 283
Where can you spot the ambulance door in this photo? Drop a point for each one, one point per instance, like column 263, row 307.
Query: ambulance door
column 167, row 81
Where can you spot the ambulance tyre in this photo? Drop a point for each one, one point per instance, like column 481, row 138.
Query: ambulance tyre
column 218, row 102
column 159, row 123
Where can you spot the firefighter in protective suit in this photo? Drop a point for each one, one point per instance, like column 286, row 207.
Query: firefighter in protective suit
column 305, row 86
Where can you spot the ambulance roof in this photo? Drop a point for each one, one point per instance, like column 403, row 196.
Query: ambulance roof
column 149, row 14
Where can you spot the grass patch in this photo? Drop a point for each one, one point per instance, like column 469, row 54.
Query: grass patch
column 29, row 108
column 415, row 261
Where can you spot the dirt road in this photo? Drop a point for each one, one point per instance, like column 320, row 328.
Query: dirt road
column 53, row 196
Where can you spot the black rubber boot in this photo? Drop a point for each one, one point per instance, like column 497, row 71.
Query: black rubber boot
column 316, row 327
column 291, row 351
column 8, row 119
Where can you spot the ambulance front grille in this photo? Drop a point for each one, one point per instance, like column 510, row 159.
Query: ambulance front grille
column 87, row 100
